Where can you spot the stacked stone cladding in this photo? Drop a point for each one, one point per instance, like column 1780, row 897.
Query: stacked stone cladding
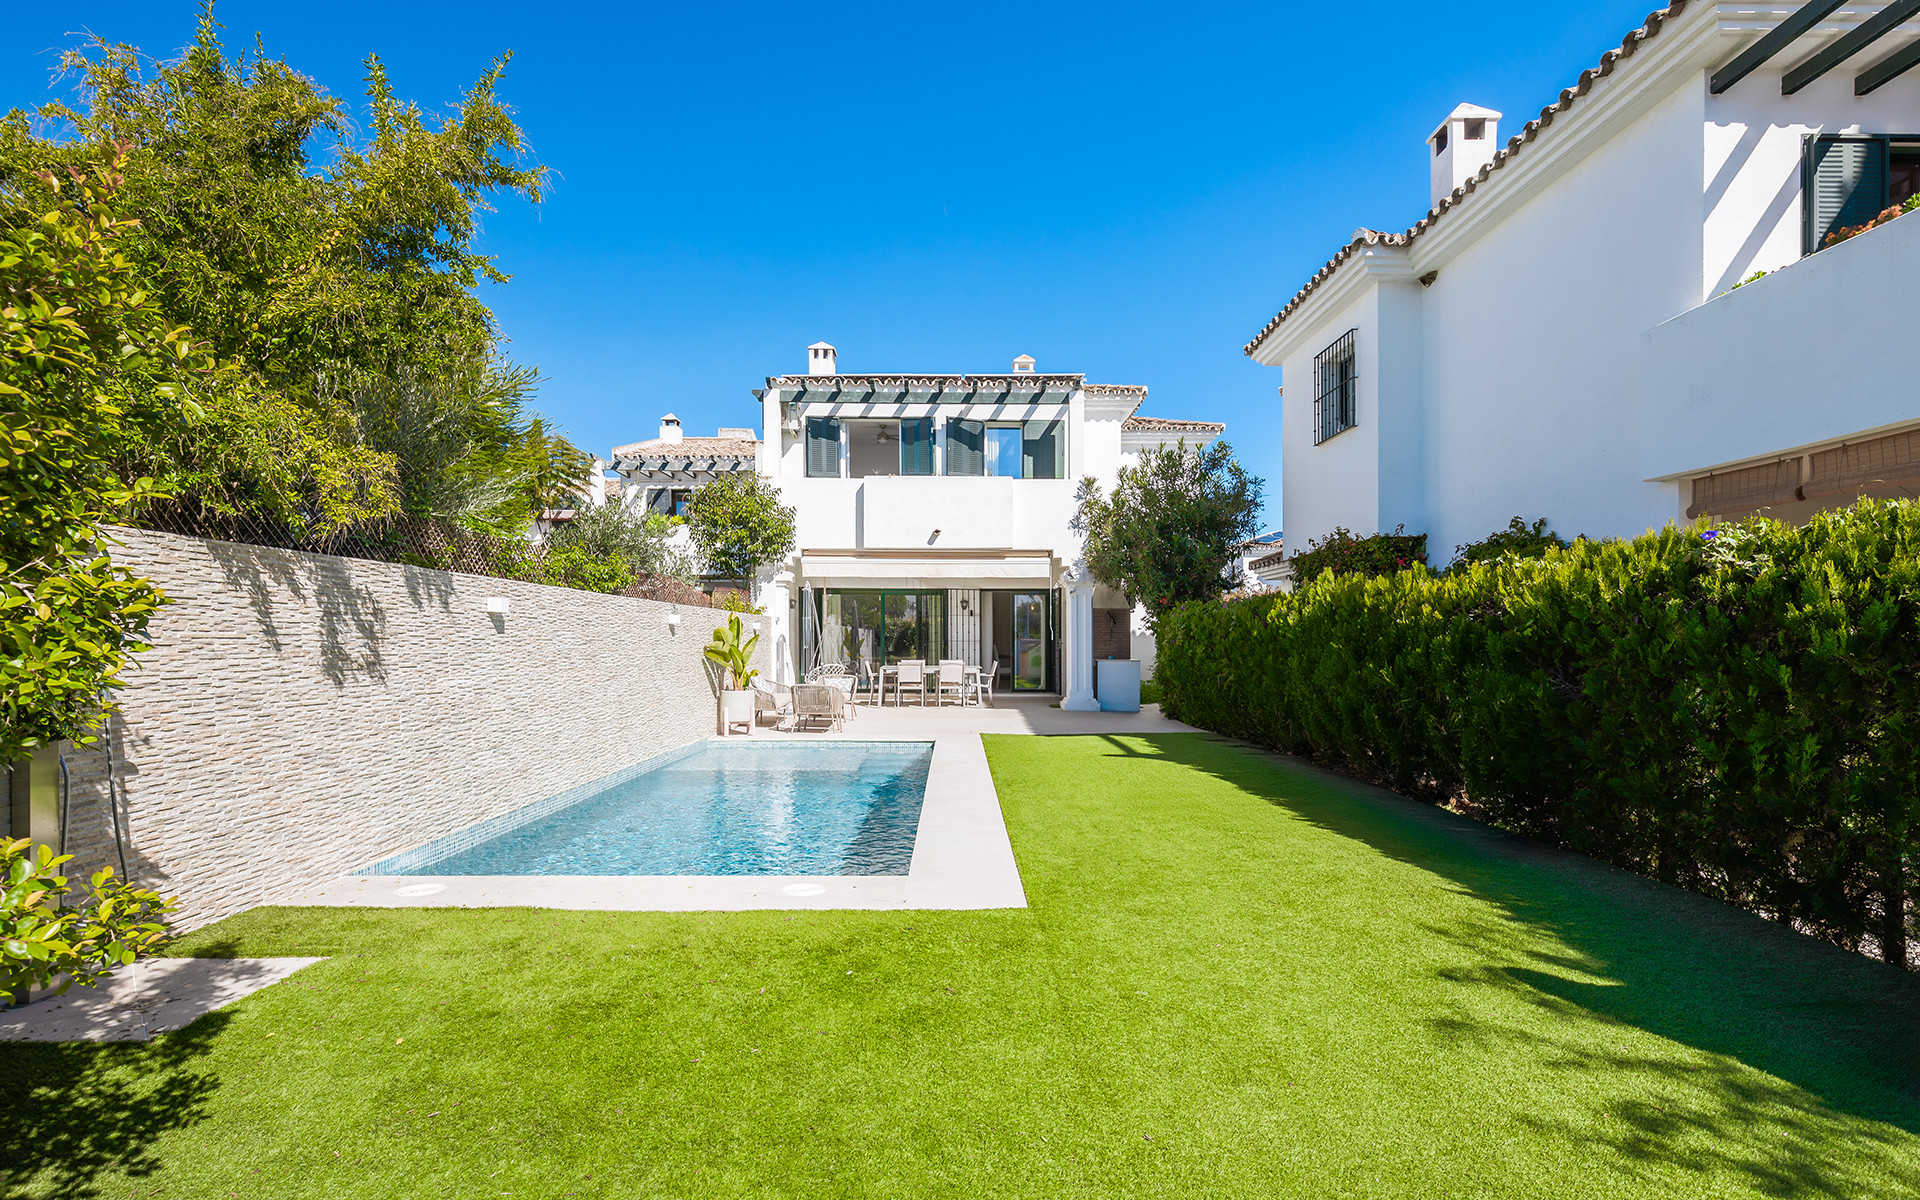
column 300, row 715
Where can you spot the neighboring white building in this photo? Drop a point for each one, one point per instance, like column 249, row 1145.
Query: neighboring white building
column 660, row 473
column 934, row 519
column 1559, row 335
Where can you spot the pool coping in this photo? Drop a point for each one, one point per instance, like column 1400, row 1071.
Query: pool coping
column 962, row 859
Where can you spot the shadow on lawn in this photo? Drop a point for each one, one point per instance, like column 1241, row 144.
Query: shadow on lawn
column 77, row 1110
column 1839, row 1028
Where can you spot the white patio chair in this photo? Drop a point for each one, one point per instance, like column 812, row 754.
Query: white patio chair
column 953, row 681
column 911, row 673
column 817, row 702
column 983, row 684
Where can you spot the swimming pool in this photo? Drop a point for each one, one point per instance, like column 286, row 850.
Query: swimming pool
column 726, row 808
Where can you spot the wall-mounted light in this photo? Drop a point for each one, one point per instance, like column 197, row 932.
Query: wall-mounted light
column 497, row 604
column 965, row 607
column 673, row 620
column 756, row 627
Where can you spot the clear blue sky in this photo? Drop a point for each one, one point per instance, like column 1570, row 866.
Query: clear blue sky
column 1127, row 191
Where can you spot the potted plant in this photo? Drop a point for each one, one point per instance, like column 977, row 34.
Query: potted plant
column 734, row 654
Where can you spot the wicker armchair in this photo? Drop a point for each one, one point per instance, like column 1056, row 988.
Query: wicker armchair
column 817, row 701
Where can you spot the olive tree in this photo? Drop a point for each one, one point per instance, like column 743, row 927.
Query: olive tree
column 1167, row 533
column 739, row 525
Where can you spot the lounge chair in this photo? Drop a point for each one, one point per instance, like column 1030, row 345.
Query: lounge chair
column 817, row 702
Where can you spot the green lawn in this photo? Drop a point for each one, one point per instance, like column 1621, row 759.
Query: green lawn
column 1239, row 978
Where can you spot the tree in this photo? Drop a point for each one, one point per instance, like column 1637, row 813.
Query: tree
column 1167, row 534
column 739, row 525
column 370, row 380
column 88, row 367
column 614, row 532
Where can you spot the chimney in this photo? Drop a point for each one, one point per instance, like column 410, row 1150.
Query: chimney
column 1023, row 365
column 1463, row 144
column 670, row 428
column 822, row 359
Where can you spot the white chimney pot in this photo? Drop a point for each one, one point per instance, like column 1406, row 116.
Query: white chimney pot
column 822, row 359
column 1457, row 150
column 670, row 428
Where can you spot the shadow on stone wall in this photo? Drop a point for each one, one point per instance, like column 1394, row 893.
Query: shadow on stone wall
column 352, row 621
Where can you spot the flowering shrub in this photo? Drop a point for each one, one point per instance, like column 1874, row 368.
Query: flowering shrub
column 1341, row 553
column 1886, row 214
column 1735, row 711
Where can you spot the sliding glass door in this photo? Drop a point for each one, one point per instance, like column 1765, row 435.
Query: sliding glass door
column 884, row 626
column 1029, row 641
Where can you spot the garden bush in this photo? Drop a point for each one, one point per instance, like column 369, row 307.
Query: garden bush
column 1341, row 553
column 1735, row 711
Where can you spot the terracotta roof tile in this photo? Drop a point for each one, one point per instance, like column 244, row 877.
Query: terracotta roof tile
column 693, row 447
column 1374, row 237
column 1162, row 425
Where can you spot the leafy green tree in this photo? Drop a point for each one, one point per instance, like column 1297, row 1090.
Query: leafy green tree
column 738, row 525
column 1168, row 532
column 342, row 290
column 615, row 531
column 88, row 365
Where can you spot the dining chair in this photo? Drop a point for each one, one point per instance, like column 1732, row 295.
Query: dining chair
column 911, row 673
column 952, row 681
column 983, row 684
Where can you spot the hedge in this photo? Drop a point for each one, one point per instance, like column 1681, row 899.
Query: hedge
column 1734, row 711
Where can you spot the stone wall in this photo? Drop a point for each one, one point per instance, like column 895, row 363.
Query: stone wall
column 301, row 715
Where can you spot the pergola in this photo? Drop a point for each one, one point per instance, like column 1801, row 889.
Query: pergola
column 1832, row 55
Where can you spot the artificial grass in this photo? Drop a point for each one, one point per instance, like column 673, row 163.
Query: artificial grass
column 1238, row 977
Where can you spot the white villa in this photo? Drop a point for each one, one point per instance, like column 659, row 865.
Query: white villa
column 934, row 520
column 1560, row 336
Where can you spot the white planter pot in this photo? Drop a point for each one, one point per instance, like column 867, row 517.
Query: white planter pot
column 736, row 708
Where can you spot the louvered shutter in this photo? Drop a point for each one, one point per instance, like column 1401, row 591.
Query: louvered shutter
column 1846, row 185
column 916, row 446
column 1040, row 447
column 966, row 454
column 823, row 447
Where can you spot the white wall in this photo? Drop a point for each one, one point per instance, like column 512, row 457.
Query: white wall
column 1530, row 333
column 1524, row 397
column 1814, row 352
column 1751, row 194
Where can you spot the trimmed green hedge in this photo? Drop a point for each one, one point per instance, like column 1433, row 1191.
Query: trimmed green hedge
column 1735, row 711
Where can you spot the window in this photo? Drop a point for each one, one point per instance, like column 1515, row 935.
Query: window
column 890, row 447
column 966, row 450
column 1476, row 130
column 1847, row 180
column 1335, row 398
column 1002, row 450
column 823, row 448
column 1440, row 141
column 680, row 503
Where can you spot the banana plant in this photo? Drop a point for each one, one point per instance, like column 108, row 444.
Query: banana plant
column 734, row 655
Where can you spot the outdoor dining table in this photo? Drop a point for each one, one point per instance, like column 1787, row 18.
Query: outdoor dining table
column 971, row 674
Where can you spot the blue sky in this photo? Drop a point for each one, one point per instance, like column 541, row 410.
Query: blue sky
column 1121, row 190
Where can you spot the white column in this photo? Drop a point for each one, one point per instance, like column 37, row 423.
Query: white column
column 1076, row 651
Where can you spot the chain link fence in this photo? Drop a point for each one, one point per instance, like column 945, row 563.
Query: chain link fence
column 415, row 541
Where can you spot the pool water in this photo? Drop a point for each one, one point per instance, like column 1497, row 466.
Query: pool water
column 767, row 808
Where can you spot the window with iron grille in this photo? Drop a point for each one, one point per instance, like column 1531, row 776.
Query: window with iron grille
column 1336, row 389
